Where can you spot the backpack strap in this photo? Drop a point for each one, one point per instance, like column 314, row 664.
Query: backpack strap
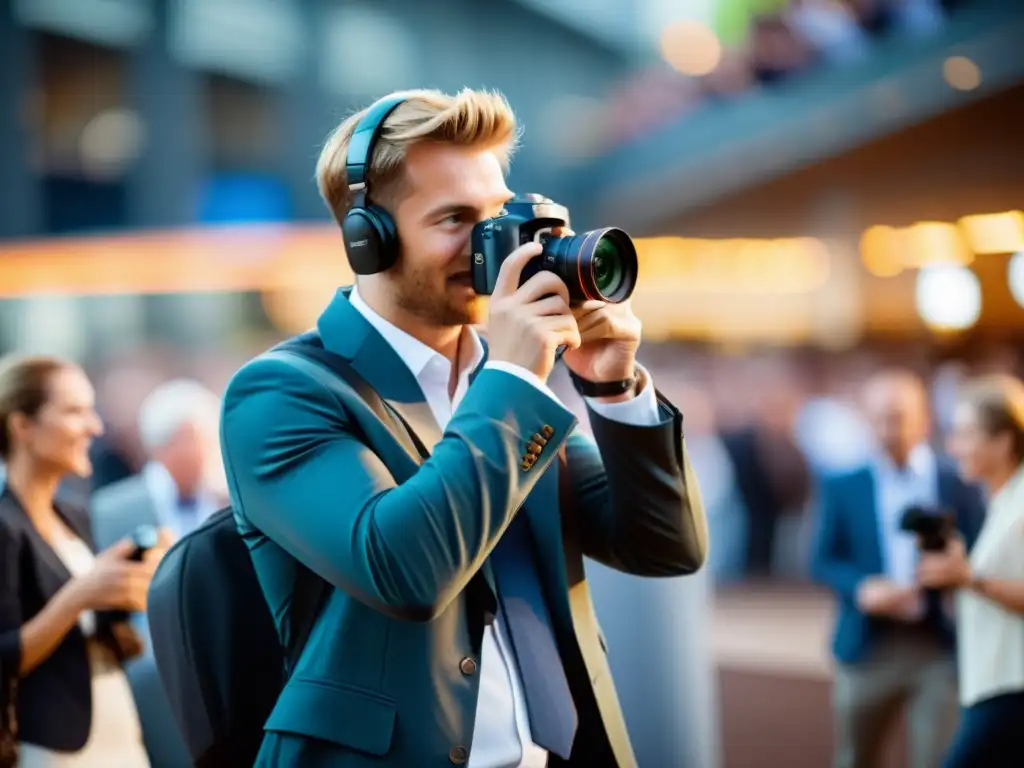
column 310, row 347
column 311, row 591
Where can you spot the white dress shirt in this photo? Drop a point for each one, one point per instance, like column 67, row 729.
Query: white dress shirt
column 990, row 638
column 896, row 489
column 501, row 738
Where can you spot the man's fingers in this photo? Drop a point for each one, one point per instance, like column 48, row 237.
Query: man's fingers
column 562, row 329
column 593, row 320
column 511, row 270
column 587, row 308
column 543, row 284
column 552, row 305
column 594, row 333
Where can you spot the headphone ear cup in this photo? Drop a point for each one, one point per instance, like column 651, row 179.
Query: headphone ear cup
column 371, row 240
column 387, row 249
column 362, row 241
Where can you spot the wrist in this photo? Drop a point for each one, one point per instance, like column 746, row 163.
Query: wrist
column 636, row 387
column 74, row 596
column 610, row 387
column 627, row 395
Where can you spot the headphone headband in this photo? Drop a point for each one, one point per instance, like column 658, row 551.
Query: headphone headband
column 360, row 146
column 371, row 237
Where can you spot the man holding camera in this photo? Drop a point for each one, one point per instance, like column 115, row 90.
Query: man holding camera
column 460, row 629
column 893, row 641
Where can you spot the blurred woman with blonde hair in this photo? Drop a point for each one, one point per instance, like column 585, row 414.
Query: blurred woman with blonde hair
column 987, row 439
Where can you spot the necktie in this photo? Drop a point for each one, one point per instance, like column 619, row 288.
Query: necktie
column 525, row 614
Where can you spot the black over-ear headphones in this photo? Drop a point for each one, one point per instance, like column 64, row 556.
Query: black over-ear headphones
column 371, row 237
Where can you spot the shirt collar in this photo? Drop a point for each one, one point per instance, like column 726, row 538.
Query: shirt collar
column 920, row 462
column 160, row 484
column 421, row 360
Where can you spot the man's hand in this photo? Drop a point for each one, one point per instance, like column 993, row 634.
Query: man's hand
column 878, row 596
column 609, row 338
column 529, row 323
column 945, row 570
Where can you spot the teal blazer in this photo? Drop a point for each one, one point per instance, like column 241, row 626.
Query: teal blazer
column 315, row 477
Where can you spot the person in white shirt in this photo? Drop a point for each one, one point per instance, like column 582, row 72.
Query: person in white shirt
column 459, row 628
column 988, row 441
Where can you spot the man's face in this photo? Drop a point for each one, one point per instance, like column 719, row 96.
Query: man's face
column 447, row 189
column 897, row 409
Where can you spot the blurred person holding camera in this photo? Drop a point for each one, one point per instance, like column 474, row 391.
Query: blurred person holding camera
column 64, row 699
column 449, row 620
column 987, row 439
column 892, row 642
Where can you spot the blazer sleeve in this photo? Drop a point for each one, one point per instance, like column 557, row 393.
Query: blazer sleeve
column 10, row 604
column 301, row 474
column 640, row 508
column 831, row 563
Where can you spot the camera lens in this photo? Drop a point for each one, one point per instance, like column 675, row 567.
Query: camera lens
column 607, row 266
column 600, row 264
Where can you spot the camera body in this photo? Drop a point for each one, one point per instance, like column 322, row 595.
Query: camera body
column 124, row 641
column 600, row 264
column 934, row 528
column 144, row 538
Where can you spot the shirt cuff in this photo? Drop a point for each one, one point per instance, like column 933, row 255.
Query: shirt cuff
column 641, row 410
column 525, row 374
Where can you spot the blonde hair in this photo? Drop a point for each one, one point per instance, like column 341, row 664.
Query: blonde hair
column 469, row 118
column 998, row 401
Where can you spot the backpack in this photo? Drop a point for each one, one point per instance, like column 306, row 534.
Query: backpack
column 216, row 647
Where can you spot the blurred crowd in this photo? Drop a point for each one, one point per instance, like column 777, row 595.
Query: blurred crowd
column 764, row 430
column 784, row 39
column 763, row 426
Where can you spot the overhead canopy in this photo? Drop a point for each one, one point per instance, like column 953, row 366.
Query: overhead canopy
column 724, row 147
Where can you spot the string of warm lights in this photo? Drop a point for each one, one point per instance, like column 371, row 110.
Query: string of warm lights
column 948, row 293
column 783, row 290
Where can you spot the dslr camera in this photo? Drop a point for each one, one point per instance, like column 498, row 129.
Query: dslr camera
column 933, row 528
column 600, row 264
column 123, row 640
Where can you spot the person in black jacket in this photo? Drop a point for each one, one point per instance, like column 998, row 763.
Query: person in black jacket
column 64, row 699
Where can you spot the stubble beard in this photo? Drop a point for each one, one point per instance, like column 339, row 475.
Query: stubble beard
column 420, row 297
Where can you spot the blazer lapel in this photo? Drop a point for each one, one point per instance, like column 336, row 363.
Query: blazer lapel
column 867, row 499
column 948, row 490
column 346, row 332
column 51, row 573
column 77, row 522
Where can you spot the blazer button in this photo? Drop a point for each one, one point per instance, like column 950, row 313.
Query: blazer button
column 525, row 466
column 468, row 666
column 547, row 431
column 541, row 441
column 534, row 448
column 457, row 755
